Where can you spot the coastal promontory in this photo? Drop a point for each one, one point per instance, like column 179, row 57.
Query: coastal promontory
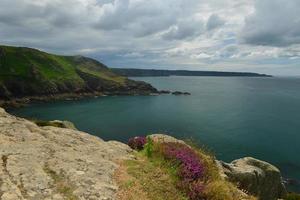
column 31, row 73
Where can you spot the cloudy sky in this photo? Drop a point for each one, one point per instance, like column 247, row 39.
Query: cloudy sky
column 227, row 35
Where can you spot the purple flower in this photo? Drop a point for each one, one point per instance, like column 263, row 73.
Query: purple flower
column 190, row 166
column 137, row 143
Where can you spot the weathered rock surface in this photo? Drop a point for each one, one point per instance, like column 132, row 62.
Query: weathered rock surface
column 55, row 163
column 165, row 138
column 58, row 163
column 257, row 177
column 64, row 124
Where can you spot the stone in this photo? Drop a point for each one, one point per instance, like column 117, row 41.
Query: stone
column 64, row 124
column 180, row 93
column 257, row 177
column 164, row 92
column 165, row 138
column 45, row 162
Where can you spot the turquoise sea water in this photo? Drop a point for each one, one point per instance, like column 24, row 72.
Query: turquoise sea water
column 234, row 117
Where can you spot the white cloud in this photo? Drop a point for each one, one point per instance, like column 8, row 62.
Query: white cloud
column 195, row 34
column 274, row 23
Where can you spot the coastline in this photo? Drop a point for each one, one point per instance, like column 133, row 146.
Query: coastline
column 23, row 101
column 68, row 156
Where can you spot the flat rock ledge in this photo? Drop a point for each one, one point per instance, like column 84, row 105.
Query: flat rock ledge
column 55, row 163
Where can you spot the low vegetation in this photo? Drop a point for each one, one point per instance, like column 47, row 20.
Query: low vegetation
column 293, row 196
column 61, row 184
column 188, row 172
column 48, row 123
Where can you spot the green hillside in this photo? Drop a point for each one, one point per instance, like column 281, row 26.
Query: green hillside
column 29, row 72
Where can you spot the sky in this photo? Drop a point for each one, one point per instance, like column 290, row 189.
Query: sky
column 219, row 35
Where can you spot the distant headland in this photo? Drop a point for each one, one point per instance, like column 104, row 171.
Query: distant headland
column 132, row 72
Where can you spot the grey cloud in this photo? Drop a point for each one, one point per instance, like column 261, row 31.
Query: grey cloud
column 184, row 29
column 214, row 21
column 143, row 18
column 164, row 32
column 274, row 23
column 229, row 51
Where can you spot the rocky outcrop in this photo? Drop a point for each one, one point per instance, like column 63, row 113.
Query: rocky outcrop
column 55, row 163
column 161, row 138
column 257, row 177
column 252, row 176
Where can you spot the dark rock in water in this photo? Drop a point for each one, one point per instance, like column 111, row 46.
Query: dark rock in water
column 289, row 181
column 164, row 92
column 181, row 93
column 177, row 93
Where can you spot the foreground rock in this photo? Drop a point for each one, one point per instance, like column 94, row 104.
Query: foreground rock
column 58, row 163
column 257, row 177
column 55, row 163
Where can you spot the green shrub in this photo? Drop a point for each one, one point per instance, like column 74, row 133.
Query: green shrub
column 149, row 147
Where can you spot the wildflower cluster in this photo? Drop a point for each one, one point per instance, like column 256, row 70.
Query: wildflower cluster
column 137, row 143
column 190, row 168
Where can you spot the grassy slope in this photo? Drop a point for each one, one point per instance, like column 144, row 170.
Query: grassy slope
column 154, row 178
column 26, row 71
column 21, row 61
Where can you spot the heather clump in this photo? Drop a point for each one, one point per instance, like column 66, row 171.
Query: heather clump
column 190, row 169
column 137, row 143
column 190, row 166
column 193, row 172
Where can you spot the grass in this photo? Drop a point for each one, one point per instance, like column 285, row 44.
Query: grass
column 157, row 178
column 61, row 184
column 104, row 74
column 47, row 123
column 293, row 196
column 148, row 178
column 34, row 65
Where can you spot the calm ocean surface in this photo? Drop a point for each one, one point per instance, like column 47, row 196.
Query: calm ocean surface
column 234, row 117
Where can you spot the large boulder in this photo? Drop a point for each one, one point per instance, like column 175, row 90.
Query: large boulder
column 257, row 177
column 53, row 163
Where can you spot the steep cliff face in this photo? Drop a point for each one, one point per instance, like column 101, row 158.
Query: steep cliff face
column 55, row 163
column 29, row 72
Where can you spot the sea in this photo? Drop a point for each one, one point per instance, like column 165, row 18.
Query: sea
column 232, row 117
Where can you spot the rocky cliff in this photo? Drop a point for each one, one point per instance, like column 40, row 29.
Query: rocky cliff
column 55, row 163
column 26, row 72
column 63, row 163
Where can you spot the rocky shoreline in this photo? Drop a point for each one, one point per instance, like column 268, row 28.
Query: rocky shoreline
column 23, row 101
column 37, row 161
